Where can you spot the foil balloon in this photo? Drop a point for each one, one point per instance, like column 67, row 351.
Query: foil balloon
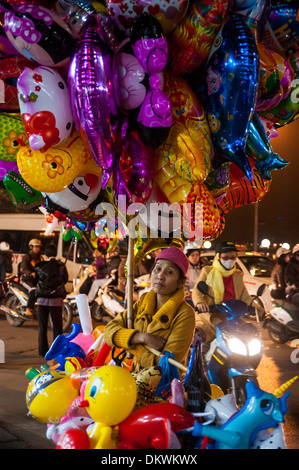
column 12, row 136
column 136, row 164
column 191, row 41
column 241, row 191
column 20, row 193
column 189, row 147
column 6, row 166
column 58, row 167
column 45, row 107
column 287, row 110
column 218, row 181
column 232, row 79
column 38, row 33
column 253, row 12
column 258, row 147
column 10, row 70
column 269, row 90
column 282, row 29
column 169, row 13
column 150, row 48
column 93, row 90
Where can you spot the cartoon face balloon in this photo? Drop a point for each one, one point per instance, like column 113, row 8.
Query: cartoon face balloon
column 57, row 168
column 38, row 34
column 45, row 107
column 168, row 12
column 232, row 78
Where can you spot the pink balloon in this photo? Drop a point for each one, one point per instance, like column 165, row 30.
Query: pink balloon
column 93, row 90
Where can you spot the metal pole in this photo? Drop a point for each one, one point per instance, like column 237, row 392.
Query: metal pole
column 130, row 286
column 256, row 223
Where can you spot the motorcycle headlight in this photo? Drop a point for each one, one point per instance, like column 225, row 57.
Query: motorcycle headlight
column 236, row 346
column 254, row 347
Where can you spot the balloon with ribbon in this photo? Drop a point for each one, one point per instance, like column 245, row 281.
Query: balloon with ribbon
column 190, row 43
column 45, row 107
column 189, row 147
column 258, row 147
column 232, row 79
column 169, row 14
column 93, row 88
column 38, row 33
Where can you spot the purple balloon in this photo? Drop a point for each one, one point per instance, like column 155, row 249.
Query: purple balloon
column 7, row 166
column 93, row 92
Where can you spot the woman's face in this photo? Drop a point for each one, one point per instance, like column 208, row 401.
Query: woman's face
column 165, row 278
column 194, row 257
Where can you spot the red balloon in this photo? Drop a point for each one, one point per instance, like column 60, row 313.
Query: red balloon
column 73, row 439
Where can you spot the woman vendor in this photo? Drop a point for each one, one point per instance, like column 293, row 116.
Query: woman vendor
column 162, row 319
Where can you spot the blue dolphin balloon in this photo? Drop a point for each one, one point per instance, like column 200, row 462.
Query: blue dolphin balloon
column 232, row 82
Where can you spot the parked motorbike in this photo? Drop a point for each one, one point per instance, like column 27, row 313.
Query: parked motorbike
column 236, row 351
column 14, row 303
column 110, row 300
column 282, row 321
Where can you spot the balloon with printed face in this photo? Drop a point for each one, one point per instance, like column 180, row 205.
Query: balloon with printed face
column 93, row 90
column 45, row 107
column 58, row 167
column 190, row 43
column 189, row 147
column 232, row 79
column 38, row 33
column 169, row 13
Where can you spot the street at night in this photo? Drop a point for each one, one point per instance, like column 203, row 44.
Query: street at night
column 19, row 431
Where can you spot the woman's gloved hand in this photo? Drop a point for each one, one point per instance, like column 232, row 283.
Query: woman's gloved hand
column 201, row 308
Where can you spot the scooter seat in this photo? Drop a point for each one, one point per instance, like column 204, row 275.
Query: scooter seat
column 293, row 326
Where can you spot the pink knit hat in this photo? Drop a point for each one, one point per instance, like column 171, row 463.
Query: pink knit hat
column 177, row 256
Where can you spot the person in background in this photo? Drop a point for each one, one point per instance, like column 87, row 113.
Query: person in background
column 193, row 255
column 28, row 275
column 225, row 282
column 5, row 260
column 292, row 277
column 278, row 285
column 97, row 276
column 162, row 319
column 51, row 277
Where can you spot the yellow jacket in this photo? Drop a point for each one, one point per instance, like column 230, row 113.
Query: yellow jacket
column 175, row 322
column 241, row 292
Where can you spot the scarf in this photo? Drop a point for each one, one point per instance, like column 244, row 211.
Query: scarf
column 215, row 281
column 169, row 308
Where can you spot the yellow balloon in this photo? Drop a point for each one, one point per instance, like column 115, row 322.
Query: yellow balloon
column 111, row 393
column 53, row 170
column 49, row 395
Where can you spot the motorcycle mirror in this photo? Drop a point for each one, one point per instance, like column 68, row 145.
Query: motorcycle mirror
column 261, row 290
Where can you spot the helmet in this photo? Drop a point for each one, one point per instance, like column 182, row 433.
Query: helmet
column 190, row 247
column 4, row 246
column 295, row 248
column 223, row 247
column 35, row 242
column 282, row 251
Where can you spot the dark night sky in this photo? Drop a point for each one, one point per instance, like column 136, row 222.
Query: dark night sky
column 279, row 210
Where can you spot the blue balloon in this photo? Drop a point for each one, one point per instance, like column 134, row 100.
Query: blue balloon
column 232, row 83
column 258, row 147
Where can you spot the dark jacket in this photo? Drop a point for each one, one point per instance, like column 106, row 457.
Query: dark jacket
column 292, row 275
column 28, row 263
column 278, row 280
column 51, row 277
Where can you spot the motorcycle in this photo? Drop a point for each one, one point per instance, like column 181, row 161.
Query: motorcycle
column 282, row 321
column 235, row 353
column 14, row 304
column 109, row 300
